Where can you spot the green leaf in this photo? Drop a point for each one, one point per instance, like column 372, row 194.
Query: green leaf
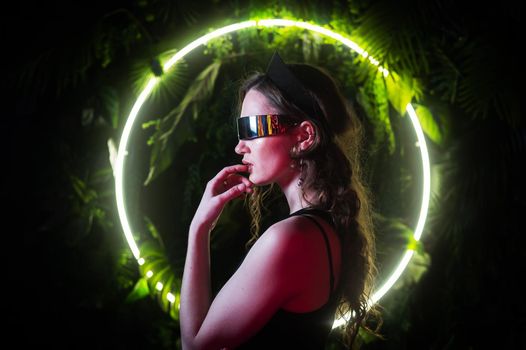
column 174, row 128
column 399, row 91
column 110, row 101
column 416, row 268
column 140, row 291
column 155, row 265
column 161, row 275
column 429, row 124
column 168, row 287
column 85, row 193
column 373, row 97
column 150, row 248
column 152, row 229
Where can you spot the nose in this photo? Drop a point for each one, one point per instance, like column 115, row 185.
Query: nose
column 241, row 147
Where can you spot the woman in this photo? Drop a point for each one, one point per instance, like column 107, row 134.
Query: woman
column 316, row 263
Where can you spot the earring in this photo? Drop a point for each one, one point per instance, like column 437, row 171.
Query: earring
column 293, row 161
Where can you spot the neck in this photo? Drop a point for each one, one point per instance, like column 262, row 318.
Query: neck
column 295, row 195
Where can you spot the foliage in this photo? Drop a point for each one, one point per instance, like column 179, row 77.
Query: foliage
column 446, row 59
column 170, row 124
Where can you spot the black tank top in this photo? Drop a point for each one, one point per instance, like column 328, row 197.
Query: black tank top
column 307, row 330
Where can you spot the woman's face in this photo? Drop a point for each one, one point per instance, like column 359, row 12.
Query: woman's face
column 268, row 157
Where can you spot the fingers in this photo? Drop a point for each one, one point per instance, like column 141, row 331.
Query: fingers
column 235, row 179
column 232, row 169
column 228, row 177
column 234, row 192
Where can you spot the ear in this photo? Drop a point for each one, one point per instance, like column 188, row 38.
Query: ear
column 306, row 134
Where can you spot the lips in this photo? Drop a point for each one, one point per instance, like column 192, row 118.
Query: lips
column 249, row 165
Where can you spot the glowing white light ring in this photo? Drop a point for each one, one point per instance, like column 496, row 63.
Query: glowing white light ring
column 119, row 164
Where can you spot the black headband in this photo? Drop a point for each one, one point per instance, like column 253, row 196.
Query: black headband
column 293, row 89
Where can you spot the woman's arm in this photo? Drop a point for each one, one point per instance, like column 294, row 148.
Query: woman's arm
column 195, row 289
column 275, row 271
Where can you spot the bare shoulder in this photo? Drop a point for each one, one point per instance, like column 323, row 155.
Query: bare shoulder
column 298, row 228
column 298, row 251
column 279, row 237
column 291, row 230
column 296, row 237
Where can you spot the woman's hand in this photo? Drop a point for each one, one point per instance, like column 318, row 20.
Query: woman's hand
column 224, row 187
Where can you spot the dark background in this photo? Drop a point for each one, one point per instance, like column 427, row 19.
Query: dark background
column 66, row 287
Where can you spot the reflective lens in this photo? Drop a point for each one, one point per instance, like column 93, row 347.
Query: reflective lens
column 254, row 126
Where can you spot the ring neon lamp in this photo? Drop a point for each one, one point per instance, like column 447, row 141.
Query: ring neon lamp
column 130, row 122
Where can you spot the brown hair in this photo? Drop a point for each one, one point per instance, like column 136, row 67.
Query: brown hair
column 331, row 167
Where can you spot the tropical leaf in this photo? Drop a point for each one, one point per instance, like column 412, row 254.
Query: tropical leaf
column 401, row 90
column 392, row 32
column 90, row 201
column 153, row 230
column 82, row 190
column 172, row 132
column 140, row 291
column 374, row 99
column 168, row 287
column 151, row 249
column 157, row 270
column 395, row 236
column 417, row 266
column 446, row 75
column 111, row 106
column 428, row 123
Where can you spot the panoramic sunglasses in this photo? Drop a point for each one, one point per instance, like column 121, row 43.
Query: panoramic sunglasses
column 254, row 126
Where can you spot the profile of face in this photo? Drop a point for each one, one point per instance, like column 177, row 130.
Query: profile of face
column 268, row 157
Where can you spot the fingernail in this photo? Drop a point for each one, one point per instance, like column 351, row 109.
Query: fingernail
column 241, row 187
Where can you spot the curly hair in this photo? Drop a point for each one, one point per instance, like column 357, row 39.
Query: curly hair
column 331, row 168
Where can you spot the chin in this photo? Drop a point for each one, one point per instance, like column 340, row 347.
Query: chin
column 258, row 181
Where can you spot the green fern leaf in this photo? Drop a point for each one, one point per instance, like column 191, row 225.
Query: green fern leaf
column 140, row 291
column 174, row 129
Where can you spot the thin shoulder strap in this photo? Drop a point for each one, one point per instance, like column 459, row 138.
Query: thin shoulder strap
column 327, row 245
